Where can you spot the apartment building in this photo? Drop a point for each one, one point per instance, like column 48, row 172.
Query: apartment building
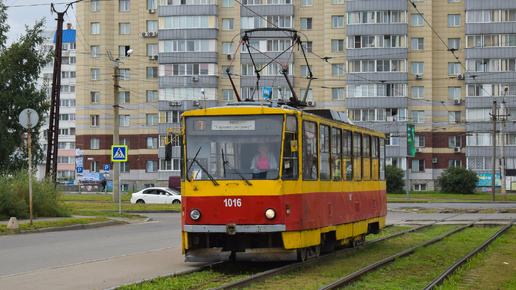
column 437, row 65
column 66, row 142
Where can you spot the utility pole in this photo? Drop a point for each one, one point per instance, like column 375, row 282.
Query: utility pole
column 116, row 129
column 116, row 121
column 503, row 116
column 493, row 170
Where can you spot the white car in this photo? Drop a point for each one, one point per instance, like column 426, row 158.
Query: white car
column 156, row 195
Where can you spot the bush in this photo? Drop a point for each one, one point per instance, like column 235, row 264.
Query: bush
column 15, row 202
column 457, row 180
column 394, row 176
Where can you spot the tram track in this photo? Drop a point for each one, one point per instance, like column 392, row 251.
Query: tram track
column 260, row 277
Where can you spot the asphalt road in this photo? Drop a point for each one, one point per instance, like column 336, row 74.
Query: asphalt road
column 116, row 255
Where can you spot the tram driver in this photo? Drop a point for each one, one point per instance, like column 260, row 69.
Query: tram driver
column 264, row 160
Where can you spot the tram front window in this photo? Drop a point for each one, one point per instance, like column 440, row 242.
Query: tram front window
column 233, row 147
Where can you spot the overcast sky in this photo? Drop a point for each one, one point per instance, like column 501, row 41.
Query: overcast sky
column 27, row 12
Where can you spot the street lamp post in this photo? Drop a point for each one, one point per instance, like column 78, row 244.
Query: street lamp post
column 116, row 121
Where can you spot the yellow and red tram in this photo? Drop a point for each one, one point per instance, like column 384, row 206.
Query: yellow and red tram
column 321, row 184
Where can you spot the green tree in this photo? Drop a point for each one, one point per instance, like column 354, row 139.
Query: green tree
column 20, row 66
column 457, row 180
column 394, row 179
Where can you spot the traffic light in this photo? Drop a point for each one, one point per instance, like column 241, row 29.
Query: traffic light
column 411, row 146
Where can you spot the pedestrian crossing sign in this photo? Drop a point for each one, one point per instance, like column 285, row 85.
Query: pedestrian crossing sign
column 119, row 153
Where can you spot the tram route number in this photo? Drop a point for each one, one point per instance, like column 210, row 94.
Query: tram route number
column 235, row 202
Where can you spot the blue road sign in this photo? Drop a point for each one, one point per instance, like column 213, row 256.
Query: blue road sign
column 119, row 153
column 79, row 169
column 106, row 167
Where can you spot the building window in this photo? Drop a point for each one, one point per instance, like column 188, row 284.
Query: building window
column 228, row 48
column 454, row 43
column 125, row 141
column 306, row 23
column 337, row 93
column 95, row 74
column 420, row 187
column 417, row 68
column 306, row 2
column 418, row 116
column 418, row 165
column 152, row 119
column 454, row 20
column 125, row 74
column 152, row 49
column 454, row 141
column 307, row 46
column 227, row 3
column 337, row 21
column 453, row 68
column 453, row 93
column 95, row 5
column 94, row 166
column 95, row 51
column 124, row 167
column 228, row 24
column 418, row 92
column 94, row 120
column 152, row 72
column 124, row 97
column 454, row 163
column 125, row 120
column 124, row 5
column 152, row 96
column 418, row 43
column 337, row 69
column 151, row 166
column 95, row 143
column 152, row 26
column 337, row 45
column 95, row 97
column 419, row 141
column 227, row 95
column 454, row 117
column 304, row 70
column 152, row 4
column 95, row 28
column 152, row 142
column 124, row 28
column 416, row 20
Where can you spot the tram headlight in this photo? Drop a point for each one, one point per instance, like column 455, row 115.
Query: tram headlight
column 195, row 214
column 270, row 213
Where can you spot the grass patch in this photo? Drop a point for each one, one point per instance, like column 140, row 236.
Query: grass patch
column 497, row 261
column 50, row 224
column 421, row 196
column 75, row 206
column 386, row 232
column 217, row 276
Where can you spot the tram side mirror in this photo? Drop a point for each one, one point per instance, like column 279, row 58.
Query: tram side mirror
column 293, row 145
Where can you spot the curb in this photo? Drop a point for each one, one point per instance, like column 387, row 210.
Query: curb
column 75, row 227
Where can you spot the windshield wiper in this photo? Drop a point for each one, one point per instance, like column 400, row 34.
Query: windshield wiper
column 202, row 168
column 224, row 162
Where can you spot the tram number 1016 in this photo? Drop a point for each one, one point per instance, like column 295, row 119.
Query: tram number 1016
column 235, row 202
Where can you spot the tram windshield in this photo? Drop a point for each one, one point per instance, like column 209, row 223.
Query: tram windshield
column 233, row 147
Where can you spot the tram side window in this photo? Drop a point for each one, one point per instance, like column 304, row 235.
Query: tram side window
column 336, row 153
column 324, row 152
column 382, row 159
column 357, row 155
column 290, row 157
column 375, row 166
column 366, row 157
column 347, row 150
column 310, row 151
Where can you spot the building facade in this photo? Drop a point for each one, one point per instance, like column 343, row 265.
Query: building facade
column 437, row 65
